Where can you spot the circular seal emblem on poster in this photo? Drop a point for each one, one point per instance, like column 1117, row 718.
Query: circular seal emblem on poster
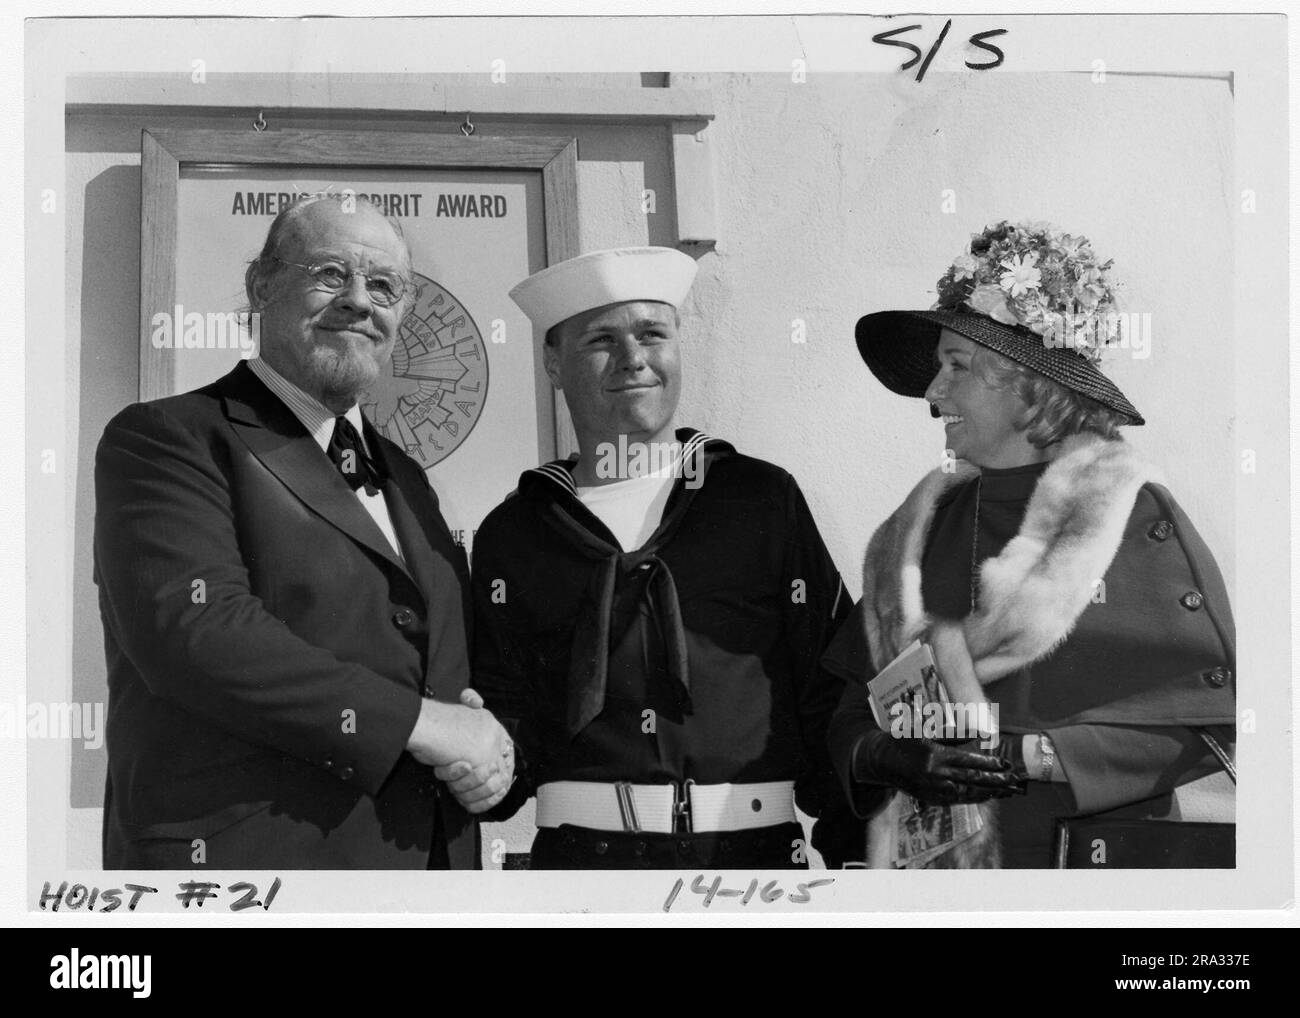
column 432, row 396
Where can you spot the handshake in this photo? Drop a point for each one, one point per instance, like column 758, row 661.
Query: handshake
column 467, row 748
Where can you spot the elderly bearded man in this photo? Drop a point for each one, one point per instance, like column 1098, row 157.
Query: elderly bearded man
column 651, row 636
column 284, row 608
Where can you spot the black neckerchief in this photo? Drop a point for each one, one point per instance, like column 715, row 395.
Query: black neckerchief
column 623, row 579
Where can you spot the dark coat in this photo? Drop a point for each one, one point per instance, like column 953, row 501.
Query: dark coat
column 714, row 628
column 1118, row 674
column 267, row 650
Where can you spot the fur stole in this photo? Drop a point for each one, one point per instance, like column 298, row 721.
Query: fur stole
column 1031, row 594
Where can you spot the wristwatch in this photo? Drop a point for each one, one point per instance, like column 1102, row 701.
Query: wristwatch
column 1047, row 753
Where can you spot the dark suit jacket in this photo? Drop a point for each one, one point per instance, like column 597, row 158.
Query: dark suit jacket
column 267, row 650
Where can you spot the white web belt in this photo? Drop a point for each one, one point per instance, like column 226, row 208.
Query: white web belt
column 659, row 809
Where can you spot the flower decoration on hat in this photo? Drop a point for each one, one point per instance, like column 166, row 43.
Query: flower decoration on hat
column 1035, row 276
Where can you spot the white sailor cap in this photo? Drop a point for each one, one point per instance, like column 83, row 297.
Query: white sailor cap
column 598, row 278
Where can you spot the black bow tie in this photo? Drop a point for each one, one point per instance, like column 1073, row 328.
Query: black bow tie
column 349, row 455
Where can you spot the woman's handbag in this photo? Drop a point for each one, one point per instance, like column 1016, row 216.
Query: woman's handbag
column 1099, row 843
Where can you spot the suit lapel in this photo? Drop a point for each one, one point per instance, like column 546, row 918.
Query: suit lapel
column 423, row 522
column 411, row 538
column 402, row 503
column 277, row 438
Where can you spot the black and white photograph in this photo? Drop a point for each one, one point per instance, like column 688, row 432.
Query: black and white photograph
column 458, row 448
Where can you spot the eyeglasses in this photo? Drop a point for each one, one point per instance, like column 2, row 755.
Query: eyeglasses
column 383, row 288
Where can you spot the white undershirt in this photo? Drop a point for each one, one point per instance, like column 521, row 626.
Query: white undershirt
column 631, row 509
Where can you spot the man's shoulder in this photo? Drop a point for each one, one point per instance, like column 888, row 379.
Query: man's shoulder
column 191, row 410
column 538, row 488
column 732, row 469
column 505, row 518
column 752, row 468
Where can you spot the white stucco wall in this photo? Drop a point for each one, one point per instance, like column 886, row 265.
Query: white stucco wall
column 830, row 207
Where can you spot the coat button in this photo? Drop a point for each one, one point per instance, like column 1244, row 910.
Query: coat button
column 638, row 849
column 346, row 772
column 1161, row 531
column 429, row 691
column 1192, row 600
column 1218, row 677
column 403, row 617
column 602, row 847
column 683, row 845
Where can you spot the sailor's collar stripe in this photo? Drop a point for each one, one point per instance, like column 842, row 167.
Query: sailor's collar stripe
column 560, row 471
column 556, row 472
column 694, row 444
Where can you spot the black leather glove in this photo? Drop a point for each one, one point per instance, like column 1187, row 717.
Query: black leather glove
column 1011, row 750
column 934, row 773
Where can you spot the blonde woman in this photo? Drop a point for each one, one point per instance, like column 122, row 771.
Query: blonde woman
column 1047, row 567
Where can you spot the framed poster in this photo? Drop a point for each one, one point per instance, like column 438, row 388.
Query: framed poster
column 465, row 393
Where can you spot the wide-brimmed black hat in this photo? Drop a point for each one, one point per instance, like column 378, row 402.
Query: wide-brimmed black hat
column 899, row 348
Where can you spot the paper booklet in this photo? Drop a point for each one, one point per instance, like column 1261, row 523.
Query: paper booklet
column 912, row 680
column 909, row 700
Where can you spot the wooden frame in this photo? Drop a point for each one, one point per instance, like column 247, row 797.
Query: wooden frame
column 685, row 112
column 164, row 152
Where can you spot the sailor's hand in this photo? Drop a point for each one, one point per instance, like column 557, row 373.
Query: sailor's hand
column 480, row 788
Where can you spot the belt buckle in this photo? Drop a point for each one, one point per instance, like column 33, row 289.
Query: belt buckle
column 682, row 806
column 627, row 807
